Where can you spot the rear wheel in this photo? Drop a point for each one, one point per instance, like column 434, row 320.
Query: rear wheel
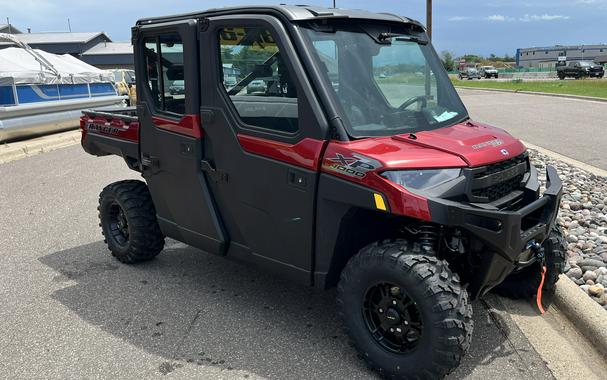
column 524, row 283
column 407, row 313
column 128, row 222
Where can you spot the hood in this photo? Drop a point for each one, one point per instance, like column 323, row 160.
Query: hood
column 465, row 144
column 475, row 143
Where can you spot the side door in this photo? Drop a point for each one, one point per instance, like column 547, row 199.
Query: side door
column 168, row 91
column 264, row 135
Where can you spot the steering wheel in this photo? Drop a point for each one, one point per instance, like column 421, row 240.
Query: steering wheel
column 416, row 99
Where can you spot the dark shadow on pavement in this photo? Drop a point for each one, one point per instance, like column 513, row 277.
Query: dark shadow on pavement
column 196, row 309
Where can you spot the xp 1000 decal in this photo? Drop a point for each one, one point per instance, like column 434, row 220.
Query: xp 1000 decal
column 354, row 166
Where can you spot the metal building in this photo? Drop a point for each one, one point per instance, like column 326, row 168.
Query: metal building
column 9, row 28
column 110, row 55
column 545, row 57
column 61, row 42
column 94, row 48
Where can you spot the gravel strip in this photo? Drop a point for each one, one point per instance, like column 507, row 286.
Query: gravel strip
column 583, row 217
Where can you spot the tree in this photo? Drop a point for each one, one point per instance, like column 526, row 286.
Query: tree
column 472, row 58
column 448, row 61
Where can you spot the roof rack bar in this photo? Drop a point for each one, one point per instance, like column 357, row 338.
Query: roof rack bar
column 37, row 56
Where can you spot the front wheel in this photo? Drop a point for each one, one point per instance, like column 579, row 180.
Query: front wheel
column 407, row 313
column 128, row 222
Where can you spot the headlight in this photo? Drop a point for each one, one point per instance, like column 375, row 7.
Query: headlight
column 422, row 179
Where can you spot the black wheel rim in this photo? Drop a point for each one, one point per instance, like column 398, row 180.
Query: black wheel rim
column 119, row 227
column 392, row 317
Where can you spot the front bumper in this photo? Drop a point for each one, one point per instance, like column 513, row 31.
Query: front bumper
column 505, row 234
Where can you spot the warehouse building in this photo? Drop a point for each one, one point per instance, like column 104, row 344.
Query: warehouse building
column 547, row 57
column 8, row 28
column 110, row 55
column 60, row 42
column 95, row 48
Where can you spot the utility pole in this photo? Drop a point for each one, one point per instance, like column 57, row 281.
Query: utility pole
column 429, row 17
column 8, row 22
column 334, row 4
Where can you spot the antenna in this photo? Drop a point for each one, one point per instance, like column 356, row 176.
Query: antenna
column 69, row 26
column 334, row 6
column 429, row 18
column 8, row 22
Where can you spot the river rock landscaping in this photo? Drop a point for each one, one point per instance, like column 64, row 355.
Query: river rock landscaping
column 583, row 218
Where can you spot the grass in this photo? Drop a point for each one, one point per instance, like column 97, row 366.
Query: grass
column 584, row 87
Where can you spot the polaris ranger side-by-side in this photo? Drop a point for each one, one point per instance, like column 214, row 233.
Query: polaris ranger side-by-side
column 328, row 146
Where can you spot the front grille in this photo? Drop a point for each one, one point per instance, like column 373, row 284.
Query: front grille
column 499, row 190
column 492, row 182
column 500, row 166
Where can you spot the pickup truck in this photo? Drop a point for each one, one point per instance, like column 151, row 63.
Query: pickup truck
column 580, row 69
column 469, row 73
column 341, row 157
column 488, row 72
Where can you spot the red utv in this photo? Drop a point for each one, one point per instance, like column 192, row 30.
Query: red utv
column 328, row 146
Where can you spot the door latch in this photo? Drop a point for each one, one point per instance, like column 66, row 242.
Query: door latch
column 150, row 162
column 214, row 174
column 297, row 179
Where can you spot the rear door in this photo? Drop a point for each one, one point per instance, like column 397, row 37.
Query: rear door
column 264, row 136
column 168, row 91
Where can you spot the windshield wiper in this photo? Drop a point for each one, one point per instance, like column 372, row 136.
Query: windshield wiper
column 384, row 37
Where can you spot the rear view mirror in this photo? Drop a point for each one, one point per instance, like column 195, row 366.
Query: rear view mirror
column 262, row 71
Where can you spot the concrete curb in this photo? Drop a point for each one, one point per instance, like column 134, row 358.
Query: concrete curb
column 588, row 317
column 578, row 97
column 22, row 149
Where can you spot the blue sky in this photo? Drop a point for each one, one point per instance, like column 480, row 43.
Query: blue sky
column 468, row 26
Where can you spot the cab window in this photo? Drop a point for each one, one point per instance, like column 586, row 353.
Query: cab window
column 256, row 79
column 165, row 75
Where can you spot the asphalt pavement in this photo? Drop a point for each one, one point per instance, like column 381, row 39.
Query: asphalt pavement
column 69, row 310
column 571, row 127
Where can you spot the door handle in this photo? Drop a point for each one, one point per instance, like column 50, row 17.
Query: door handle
column 214, row 174
column 150, row 162
column 297, row 179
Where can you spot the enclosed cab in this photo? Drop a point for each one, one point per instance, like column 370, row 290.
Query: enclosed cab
column 329, row 146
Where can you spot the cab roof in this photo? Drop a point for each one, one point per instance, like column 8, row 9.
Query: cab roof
column 290, row 12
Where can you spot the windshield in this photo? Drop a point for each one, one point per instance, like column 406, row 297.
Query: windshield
column 385, row 84
column 585, row 63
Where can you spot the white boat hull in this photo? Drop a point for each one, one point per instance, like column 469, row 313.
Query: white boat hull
column 28, row 120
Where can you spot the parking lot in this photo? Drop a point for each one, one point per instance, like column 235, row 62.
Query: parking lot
column 71, row 311
column 571, row 127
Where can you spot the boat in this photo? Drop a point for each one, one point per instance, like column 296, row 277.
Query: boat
column 43, row 93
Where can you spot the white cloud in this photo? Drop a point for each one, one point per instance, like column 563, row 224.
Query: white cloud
column 544, row 17
column 458, row 18
column 496, row 18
